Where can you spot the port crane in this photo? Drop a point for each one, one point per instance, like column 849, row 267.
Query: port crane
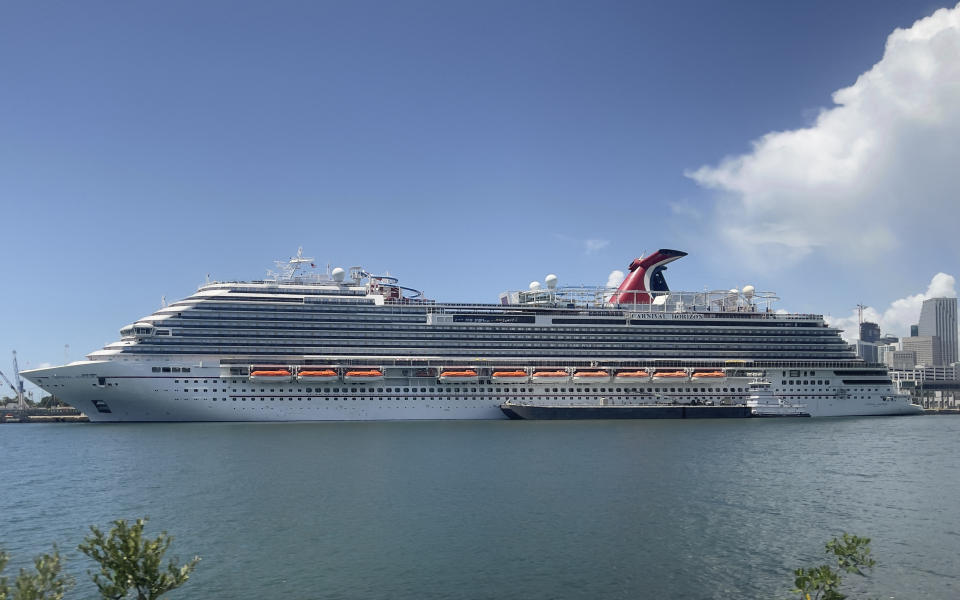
column 18, row 388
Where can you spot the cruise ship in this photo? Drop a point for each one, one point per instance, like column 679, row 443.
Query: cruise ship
column 304, row 345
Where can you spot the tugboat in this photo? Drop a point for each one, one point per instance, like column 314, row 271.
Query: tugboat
column 763, row 403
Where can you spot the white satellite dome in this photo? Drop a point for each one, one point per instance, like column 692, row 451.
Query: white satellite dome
column 338, row 274
column 534, row 286
column 734, row 291
column 551, row 281
column 748, row 291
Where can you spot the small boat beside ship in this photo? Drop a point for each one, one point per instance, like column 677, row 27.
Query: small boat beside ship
column 762, row 402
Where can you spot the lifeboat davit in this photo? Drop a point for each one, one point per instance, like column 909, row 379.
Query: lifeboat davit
column 271, row 375
column 591, row 375
column 636, row 375
column 515, row 376
column 708, row 374
column 459, row 376
column 363, row 375
column 674, row 374
column 316, row 375
column 550, row 376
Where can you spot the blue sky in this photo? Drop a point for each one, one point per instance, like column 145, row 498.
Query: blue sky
column 466, row 147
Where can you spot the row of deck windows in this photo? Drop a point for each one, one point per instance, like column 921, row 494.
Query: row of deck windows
column 363, row 391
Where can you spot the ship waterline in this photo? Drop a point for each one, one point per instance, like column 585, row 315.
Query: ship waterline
column 324, row 347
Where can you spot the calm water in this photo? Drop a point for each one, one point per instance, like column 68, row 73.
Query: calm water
column 506, row 509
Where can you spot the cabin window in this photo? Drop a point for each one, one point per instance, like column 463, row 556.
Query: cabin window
column 156, row 369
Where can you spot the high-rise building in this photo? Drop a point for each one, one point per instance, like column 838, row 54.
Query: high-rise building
column 867, row 351
column 914, row 330
column 938, row 318
column 869, row 332
column 926, row 349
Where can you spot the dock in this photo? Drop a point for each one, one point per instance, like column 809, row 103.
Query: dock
column 43, row 415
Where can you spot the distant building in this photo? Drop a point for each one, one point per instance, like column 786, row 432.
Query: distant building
column 867, row 351
column 901, row 359
column 932, row 387
column 926, row 348
column 869, row 332
column 914, row 330
column 883, row 352
column 886, row 340
column 938, row 319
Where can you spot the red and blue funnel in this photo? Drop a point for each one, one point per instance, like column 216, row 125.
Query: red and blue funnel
column 646, row 275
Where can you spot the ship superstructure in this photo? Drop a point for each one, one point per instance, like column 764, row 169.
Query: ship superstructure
column 353, row 346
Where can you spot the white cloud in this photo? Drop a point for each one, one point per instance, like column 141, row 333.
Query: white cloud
column 594, row 246
column 877, row 166
column 615, row 278
column 901, row 314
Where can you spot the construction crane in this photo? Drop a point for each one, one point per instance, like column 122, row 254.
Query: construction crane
column 18, row 388
column 860, row 308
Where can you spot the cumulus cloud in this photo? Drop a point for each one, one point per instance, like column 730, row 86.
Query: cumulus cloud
column 900, row 315
column 615, row 278
column 874, row 168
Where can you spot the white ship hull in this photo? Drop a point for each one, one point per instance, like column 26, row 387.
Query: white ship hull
column 115, row 391
column 233, row 351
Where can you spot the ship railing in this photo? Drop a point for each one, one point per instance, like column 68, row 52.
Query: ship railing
column 757, row 304
column 667, row 301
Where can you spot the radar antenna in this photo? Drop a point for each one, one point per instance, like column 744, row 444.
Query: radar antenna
column 289, row 269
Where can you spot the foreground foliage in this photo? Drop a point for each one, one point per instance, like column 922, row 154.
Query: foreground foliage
column 131, row 566
column 823, row 582
column 46, row 583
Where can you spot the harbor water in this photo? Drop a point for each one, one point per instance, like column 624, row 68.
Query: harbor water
column 499, row 509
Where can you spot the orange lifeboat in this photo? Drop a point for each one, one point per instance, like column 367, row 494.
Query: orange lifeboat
column 454, row 375
column 363, row 375
column 591, row 375
column 518, row 375
column 551, row 376
column 633, row 375
column 270, row 375
column 708, row 374
column 670, row 374
column 317, row 375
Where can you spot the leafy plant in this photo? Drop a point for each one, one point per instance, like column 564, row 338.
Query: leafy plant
column 852, row 554
column 132, row 564
column 47, row 583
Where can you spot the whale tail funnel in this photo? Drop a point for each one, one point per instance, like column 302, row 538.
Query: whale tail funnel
column 646, row 275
